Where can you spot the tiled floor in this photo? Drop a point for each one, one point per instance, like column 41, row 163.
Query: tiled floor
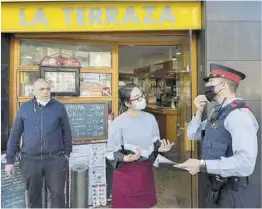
column 173, row 186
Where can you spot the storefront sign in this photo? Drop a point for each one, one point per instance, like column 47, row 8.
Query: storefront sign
column 84, row 16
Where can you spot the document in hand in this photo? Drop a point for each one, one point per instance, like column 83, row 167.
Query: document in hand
column 162, row 161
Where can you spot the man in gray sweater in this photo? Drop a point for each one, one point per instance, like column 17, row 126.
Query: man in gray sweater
column 46, row 145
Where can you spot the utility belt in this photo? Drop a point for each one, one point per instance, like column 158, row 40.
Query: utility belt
column 216, row 183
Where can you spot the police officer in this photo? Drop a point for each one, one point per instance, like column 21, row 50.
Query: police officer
column 229, row 145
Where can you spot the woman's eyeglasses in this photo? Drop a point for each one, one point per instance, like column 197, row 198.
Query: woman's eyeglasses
column 139, row 99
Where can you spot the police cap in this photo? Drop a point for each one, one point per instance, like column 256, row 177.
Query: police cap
column 224, row 72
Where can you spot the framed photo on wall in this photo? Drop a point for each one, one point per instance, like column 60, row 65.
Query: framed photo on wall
column 63, row 81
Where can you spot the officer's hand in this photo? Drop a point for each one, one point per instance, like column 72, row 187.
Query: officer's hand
column 191, row 165
column 165, row 146
column 132, row 157
column 200, row 103
column 9, row 169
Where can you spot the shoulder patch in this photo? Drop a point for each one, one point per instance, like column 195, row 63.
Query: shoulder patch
column 240, row 104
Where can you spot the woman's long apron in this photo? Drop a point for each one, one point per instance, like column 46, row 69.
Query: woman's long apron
column 134, row 186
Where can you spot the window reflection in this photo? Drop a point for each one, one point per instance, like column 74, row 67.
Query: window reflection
column 90, row 56
column 26, row 83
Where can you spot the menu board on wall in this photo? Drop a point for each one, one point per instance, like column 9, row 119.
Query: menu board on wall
column 61, row 81
column 88, row 121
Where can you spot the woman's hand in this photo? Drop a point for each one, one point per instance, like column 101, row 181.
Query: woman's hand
column 132, row 157
column 165, row 146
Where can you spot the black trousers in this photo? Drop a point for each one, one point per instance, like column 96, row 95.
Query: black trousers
column 54, row 169
column 246, row 197
column 243, row 197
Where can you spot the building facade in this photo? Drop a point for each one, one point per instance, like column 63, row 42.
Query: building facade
column 227, row 33
column 232, row 35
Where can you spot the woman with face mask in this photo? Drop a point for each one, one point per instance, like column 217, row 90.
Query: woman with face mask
column 133, row 144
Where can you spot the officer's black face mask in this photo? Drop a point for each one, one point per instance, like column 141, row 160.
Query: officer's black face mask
column 210, row 93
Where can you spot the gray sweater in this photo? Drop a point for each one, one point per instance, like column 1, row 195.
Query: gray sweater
column 133, row 132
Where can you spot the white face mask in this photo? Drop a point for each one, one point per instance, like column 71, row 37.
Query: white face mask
column 140, row 105
column 42, row 102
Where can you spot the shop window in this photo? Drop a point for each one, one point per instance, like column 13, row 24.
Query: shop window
column 95, row 84
column 157, row 70
column 90, row 56
column 26, row 83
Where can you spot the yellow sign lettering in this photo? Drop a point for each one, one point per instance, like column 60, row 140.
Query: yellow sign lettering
column 82, row 16
column 39, row 18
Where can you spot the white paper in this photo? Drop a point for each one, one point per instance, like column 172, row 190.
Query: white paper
column 162, row 159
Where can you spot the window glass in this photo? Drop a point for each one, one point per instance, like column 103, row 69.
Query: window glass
column 27, row 80
column 90, row 56
column 95, row 84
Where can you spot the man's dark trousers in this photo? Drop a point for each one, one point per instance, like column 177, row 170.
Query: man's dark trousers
column 54, row 169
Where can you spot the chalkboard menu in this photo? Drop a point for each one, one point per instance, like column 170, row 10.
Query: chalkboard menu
column 13, row 193
column 88, row 121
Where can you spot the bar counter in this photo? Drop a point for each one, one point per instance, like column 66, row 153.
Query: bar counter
column 167, row 121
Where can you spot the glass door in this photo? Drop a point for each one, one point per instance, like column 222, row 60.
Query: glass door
column 180, row 187
column 186, row 78
column 184, row 89
column 164, row 71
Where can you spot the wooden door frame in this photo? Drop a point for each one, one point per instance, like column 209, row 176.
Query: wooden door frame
column 194, row 84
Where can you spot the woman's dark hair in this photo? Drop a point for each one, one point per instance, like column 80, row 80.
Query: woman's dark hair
column 124, row 95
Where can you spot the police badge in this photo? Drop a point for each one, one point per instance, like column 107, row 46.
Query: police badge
column 214, row 116
column 214, row 124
